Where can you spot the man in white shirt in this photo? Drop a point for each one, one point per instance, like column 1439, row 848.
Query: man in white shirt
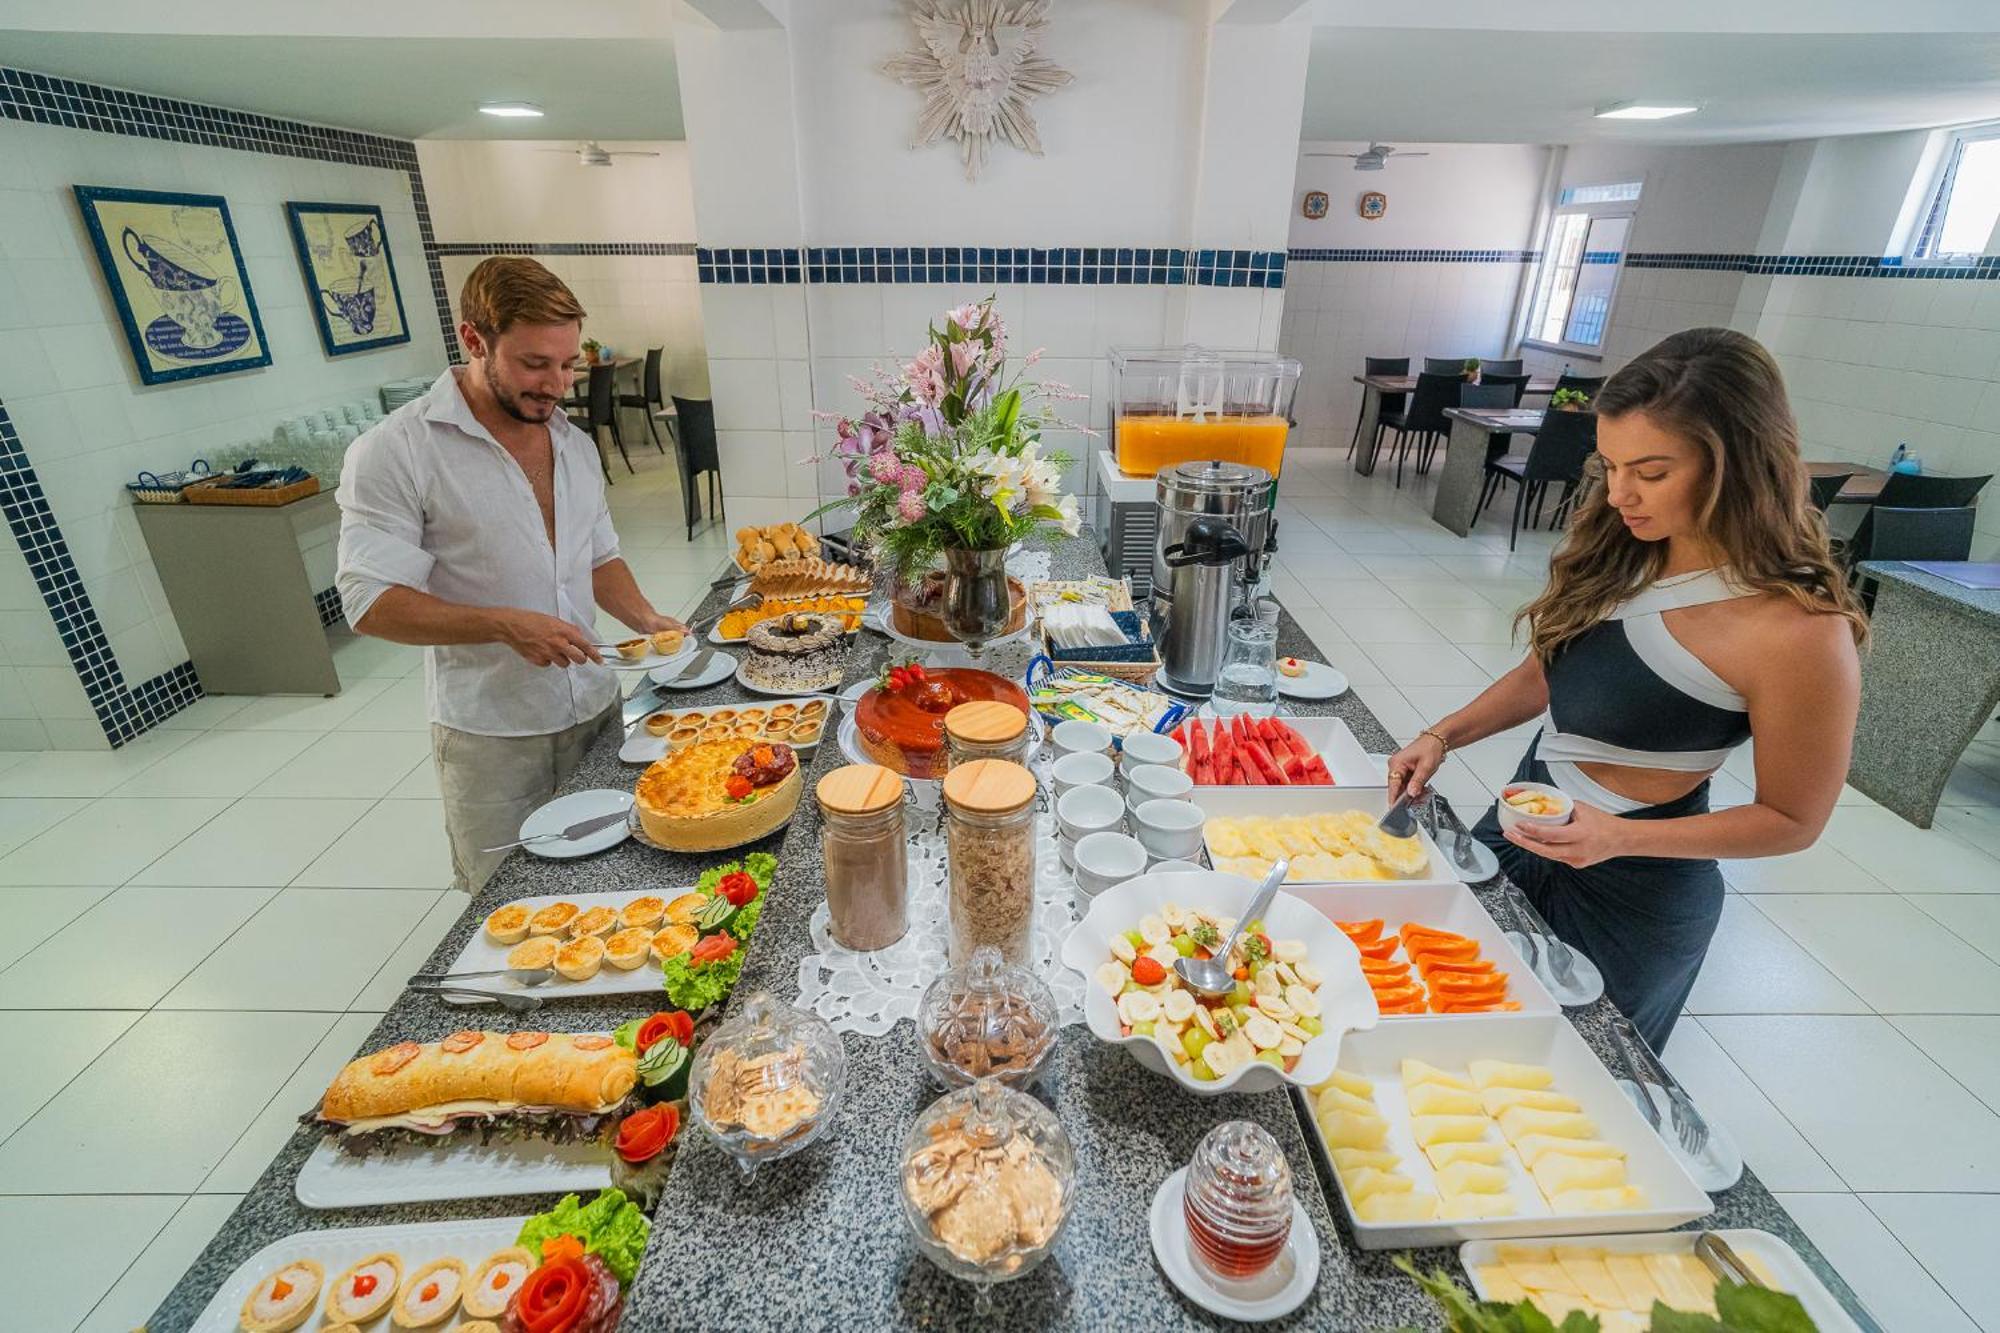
column 473, row 522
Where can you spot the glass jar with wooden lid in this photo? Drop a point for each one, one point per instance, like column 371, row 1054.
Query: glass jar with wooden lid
column 861, row 838
column 986, row 729
column 990, row 839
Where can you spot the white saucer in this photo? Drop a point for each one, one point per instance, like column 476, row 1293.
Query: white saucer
column 720, row 668
column 560, row 813
column 1485, row 865
column 1718, row 1166
column 1590, row 982
column 1319, row 682
column 767, row 690
column 1170, row 1247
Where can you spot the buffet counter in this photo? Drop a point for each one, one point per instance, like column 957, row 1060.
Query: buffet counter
column 818, row 1240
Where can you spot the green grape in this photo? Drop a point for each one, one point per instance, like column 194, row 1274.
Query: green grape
column 1195, row 1040
column 1309, row 1024
column 1184, row 945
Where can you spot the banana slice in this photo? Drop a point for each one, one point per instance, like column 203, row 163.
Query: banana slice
column 1289, row 951
column 1174, row 915
column 1138, row 1006
column 1302, row 1000
column 1180, row 1006
column 1308, row 974
column 1122, row 950
column 1286, row 977
column 1289, row 1046
column 1164, row 955
column 1220, row 1057
column 1274, row 1007
column 1113, row 976
column 1153, row 929
column 1206, row 1018
column 1263, row 1033
column 1293, row 1030
column 1266, row 983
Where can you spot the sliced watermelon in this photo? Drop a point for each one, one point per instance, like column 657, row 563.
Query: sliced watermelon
column 1316, row 774
column 1266, row 765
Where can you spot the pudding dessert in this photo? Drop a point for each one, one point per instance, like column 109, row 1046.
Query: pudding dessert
column 718, row 794
column 916, row 609
column 795, row 652
column 900, row 723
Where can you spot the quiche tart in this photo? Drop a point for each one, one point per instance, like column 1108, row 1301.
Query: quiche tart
column 718, row 794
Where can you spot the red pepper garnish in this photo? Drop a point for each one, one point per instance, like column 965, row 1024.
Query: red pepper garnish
column 553, row 1297
column 364, row 1283
column 429, row 1293
column 559, row 1247
column 643, row 1135
column 713, row 948
column 666, row 1023
column 737, row 887
column 280, row 1289
column 737, row 786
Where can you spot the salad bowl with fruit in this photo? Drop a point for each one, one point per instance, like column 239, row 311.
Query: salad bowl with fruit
column 1298, row 983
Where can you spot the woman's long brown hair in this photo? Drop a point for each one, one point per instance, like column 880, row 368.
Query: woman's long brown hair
column 1720, row 391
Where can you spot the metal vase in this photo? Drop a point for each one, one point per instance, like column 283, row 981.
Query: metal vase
column 977, row 602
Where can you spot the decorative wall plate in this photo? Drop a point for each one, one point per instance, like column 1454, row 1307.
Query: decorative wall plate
column 1372, row 205
column 1315, row 205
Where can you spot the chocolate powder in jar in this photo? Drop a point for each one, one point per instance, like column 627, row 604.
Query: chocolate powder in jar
column 862, row 843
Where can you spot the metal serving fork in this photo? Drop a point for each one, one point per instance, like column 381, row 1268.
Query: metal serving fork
column 1690, row 1127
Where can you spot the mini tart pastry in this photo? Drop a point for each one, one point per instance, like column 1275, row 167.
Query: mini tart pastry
column 686, row 908
column 469, row 1326
column 356, row 1328
column 805, row 733
column 508, row 925
column 673, row 941
column 753, row 715
column 632, row 650
column 682, row 737
column 778, row 730
column 537, row 952
column 643, row 913
column 723, row 715
column 579, row 959
column 430, row 1295
column 716, row 731
column 667, row 642
column 1291, row 666
column 780, row 712
column 659, row 724
column 812, row 708
column 365, row 1290
column 593, row 921
column 493, row 1284
column 284, row 1299
column 628, row 948
column 553, row 919
column 749, row 731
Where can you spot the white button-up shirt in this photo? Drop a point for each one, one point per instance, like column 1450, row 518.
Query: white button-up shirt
column 430, row 500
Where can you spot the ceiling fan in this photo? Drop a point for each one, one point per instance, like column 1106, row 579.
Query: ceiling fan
column 1375, row 158
column 591, row 154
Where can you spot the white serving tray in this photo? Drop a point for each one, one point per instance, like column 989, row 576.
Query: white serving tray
column 643, row 747
column 1346, row 760
column 483, row 955
column 1785, row 1264
column 1672, row 1195
column 1444, row 907
column 338, row 1248
column 421, row 1173
column 1272, row 802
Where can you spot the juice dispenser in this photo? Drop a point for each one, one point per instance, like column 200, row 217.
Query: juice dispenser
column 1187, row 404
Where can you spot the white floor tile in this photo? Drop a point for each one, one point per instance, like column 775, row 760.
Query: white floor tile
column 360, row 656
column 1778, row 1153
column 218, row 763
column 1952, row 1236
column 304, row 949
column 140, row 1289
column 108, row 841
column 400, row 707
column 1320, row 627
column 1817, row 869
column 1974, row 918
column 1754, row 967
column 1874, row 1106
column 1392, row 710
column 1425, row 595
column 1972, row 784
column 22, row 817
column 308, row 712
column 63, row 1254
column 1975, row 826
column 49, row 773
column 258, row 840
column 1440, row 701
column 1462, row 787
column 348, row 763
column 1385, row 625
column 1966, row 1045
column 33, row 913
column 420, row 783
column 1351, row 662
column 1394, row 569
column 1477, row 625
column 42, row 1052
column 204, row 1076
column 396, row 845
column 206, row 712
column 244, row 1163
column 412, row 954
column 1910, row 859
column 1891, row 1283
column 1495, row 659
column 1892, row 955
column 128, row 950
column 1424, row 664
column 1353, row 594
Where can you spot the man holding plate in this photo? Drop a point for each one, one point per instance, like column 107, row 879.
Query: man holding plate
column 473, row 523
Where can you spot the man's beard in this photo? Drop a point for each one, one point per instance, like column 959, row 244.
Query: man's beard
column 535, row 414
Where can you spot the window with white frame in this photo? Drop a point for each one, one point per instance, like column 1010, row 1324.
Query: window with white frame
column 1579, row 266
column 1965, row 202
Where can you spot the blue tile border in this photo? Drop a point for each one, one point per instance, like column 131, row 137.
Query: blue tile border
column 327, row 602
column 1111, row 265
column 1984, row 269
column 1391, row 255
column 566, row 247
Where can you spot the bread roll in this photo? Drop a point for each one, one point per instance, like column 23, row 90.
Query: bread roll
column 746, row 536
column 763, row 551
column 582, row 1073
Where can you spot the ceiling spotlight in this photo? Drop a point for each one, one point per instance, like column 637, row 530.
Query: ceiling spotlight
column 510, row 109
column 1641, row 111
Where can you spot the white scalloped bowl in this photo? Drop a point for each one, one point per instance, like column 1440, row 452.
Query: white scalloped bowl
column 1346, row 1003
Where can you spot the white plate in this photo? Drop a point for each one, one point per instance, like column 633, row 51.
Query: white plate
column 483, row 955
column 643, row 747
column 719, row 668
column 1279, row 1291
column 1672, row 1195
column 1346, row 1004
column 1442, row 907
column 766, row 691
column 1784, row 1262
column 1319, row 682
column 1720, row 1162
column 1347, row 763
column 560, row 813
column 652, row 661
column 339, row 1248
column 1272, row 802
column 420, row 1173
column 850, row 741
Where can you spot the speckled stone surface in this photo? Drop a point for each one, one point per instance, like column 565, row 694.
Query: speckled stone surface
column 819, row 1241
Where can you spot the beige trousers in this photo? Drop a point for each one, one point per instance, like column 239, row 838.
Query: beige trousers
column 491, row 783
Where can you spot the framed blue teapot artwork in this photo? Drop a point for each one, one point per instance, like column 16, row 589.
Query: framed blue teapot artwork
column 350, row 278
column 176, row 276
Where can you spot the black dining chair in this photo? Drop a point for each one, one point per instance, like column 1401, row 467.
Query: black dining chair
column 698, row 455
column 600, row 412
column 1497, row 367
column 648, row 399
column 1911, row 490
column 1446, row 365
column 1494, row 397
column 1913, row 534
column 1391, row 402
column 1826, row 489
column 1560, row 449
column 1515, row 381
column 1424, row 421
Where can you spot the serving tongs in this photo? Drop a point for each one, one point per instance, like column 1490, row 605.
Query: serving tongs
column 527, row 976
column 1721, row 1259
column 514, row 1002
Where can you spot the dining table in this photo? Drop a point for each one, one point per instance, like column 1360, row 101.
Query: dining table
column 1863, row 483
column 819, row 1240
column 1374, row 387
column 1462, row 476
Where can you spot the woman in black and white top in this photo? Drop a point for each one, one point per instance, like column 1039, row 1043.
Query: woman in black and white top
column 1692, row 605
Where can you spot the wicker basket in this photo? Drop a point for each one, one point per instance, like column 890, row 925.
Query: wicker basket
column 211, row 492
column 1140, row 670
column 167, row 488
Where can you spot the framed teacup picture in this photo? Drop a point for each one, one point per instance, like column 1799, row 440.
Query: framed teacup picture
column 177, row 278
column 350, row 279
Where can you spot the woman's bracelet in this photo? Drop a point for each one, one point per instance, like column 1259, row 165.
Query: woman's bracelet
column 1439, row 738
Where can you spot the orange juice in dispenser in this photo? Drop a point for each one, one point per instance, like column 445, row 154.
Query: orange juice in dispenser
column 1186, row 404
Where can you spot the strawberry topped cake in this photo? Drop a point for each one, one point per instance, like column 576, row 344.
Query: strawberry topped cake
column 900, row 723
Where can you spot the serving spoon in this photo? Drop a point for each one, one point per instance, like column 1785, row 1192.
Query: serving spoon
column 1210, row 975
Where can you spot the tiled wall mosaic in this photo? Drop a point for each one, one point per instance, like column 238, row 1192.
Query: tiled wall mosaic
column 1986, row 268
column 327, row 602
column 566, row 248
column 1064, row 265
column 1411, row 256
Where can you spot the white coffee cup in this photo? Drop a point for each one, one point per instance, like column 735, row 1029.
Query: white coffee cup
column 1105, row 860
column 1066, row 851
column 1082, row 811
column 1084, row 769
column 1155, row 782
column 1170, row 829
column 1148, row 747
column 1175, row 868
column 1079, row 737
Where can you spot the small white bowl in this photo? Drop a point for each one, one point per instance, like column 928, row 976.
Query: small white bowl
column 1066, row 851
column 1079, row 737
column 1176, row 868
column 1105, row 860
column 1155, row 782
column 1170, row 829
column 1509, row 816
column 1082, row 769
column 1082, row 811
column 1149, row 747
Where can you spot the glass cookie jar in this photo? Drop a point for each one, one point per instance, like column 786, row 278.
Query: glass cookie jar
column 990, row 842
column 988, row 1018
column 987, row 729
column 867, row 868
column 768, row 1081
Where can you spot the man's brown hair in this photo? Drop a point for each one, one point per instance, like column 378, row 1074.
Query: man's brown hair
column 508, row 289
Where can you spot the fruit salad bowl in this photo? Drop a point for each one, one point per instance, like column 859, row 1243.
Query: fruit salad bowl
column 1301, row 992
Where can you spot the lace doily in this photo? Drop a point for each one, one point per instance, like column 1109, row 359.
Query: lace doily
column 868, row 992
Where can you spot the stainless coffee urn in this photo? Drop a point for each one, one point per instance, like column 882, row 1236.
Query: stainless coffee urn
column 1209, row 559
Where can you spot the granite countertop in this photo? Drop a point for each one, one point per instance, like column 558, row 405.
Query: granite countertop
column 819, row 1240
column 1955, row 595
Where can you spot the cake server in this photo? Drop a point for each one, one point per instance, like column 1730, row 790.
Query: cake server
column 583, row 828
column 514, row 1002
column 527, row 976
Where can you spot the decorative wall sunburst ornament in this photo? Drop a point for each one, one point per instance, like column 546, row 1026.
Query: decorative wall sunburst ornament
column 977, row 69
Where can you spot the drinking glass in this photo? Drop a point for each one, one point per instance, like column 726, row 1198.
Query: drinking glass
column 1248, row 679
